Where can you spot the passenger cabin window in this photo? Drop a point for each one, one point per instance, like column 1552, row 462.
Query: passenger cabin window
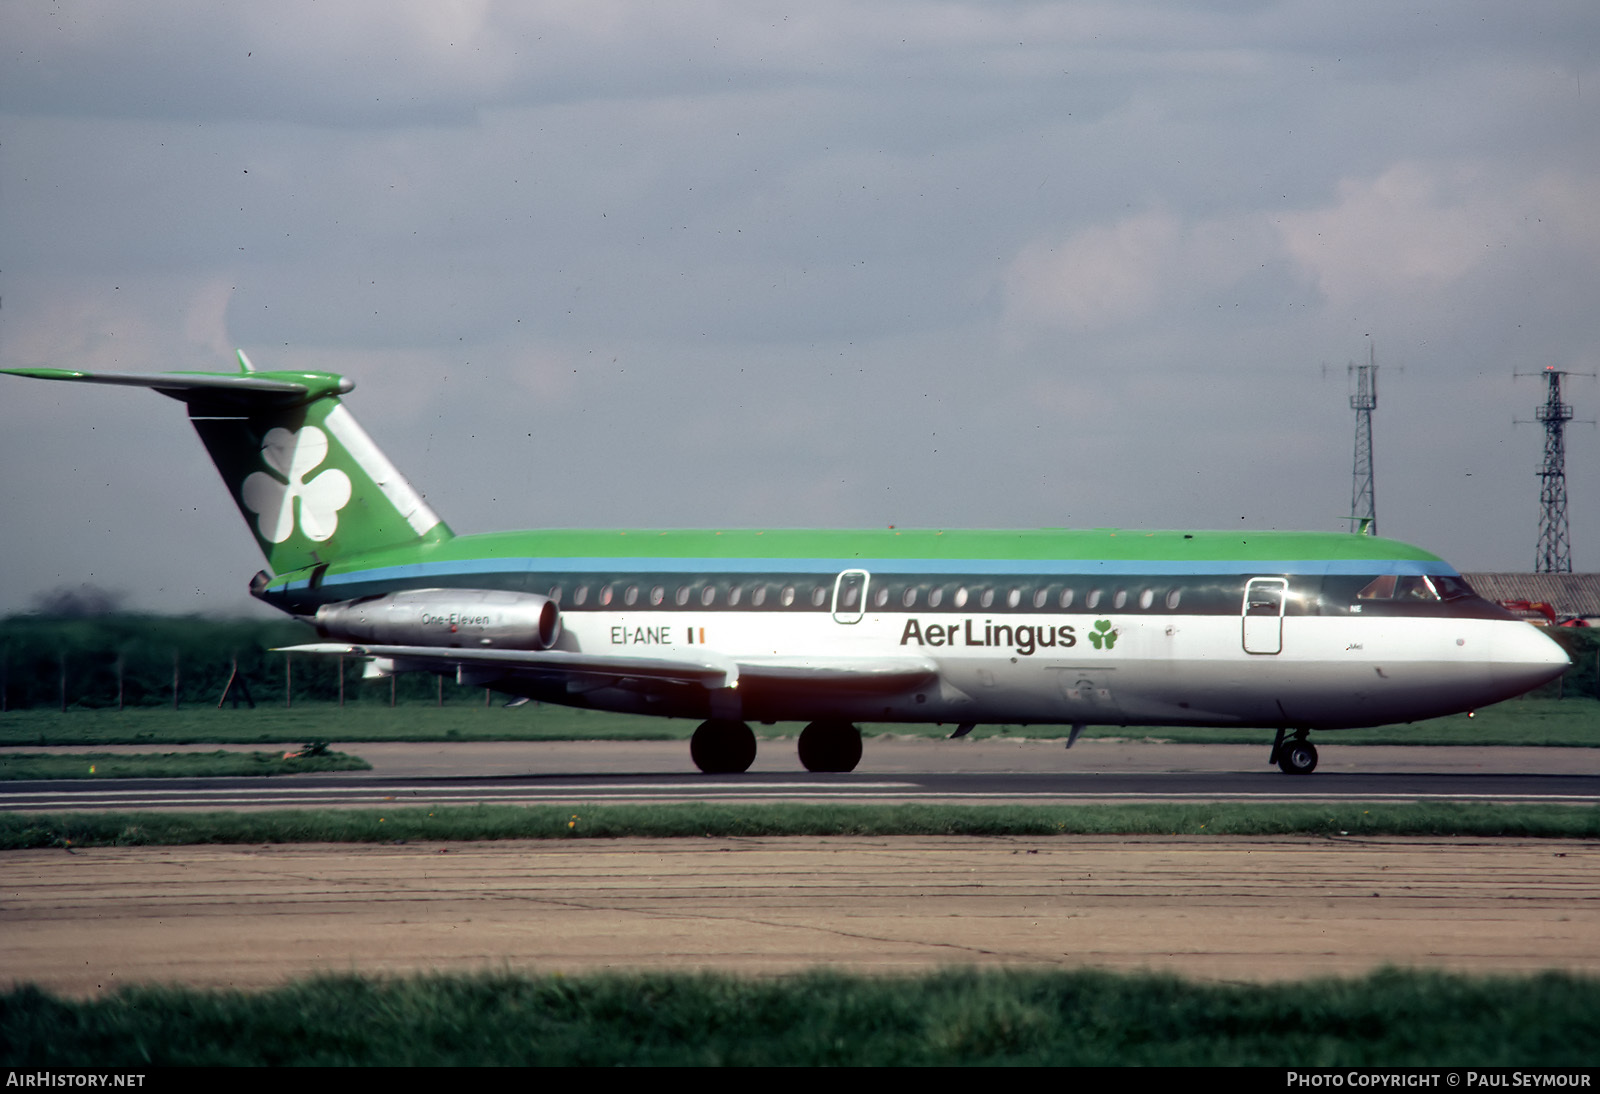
column 1092, row 601
column 788, row 595
column 1119, row 599
column 1013, row 598
column 819, row 596
column 910, row 597
column 555, row 593
column 961, row 597
column 1147, row 598
column 759, row 597
column 630, row 596
column 657, row 595
column 881, row 597
column 1040, row 596
column 935, row 597
column 1173, row 598
column 1066, row 598
column 708, row 595
column 734, row 595
column 605, row 595
column 682, row 595
column 987, row 598
column 581, row 595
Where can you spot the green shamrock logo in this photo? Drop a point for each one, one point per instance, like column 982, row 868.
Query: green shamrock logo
column 1103, row 636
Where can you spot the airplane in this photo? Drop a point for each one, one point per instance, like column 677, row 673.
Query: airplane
column 1283, row 631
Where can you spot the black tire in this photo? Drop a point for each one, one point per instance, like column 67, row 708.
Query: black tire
column 1297, row 757
column 723, row 746
column 830, row 746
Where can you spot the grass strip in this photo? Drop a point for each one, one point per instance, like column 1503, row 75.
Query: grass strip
column 956, row 1017
column 497, row 822
column 1550, row 722
column 169, row 765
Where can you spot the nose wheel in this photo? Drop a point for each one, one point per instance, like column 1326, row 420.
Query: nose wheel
column 1296, row 757
column 723, row 746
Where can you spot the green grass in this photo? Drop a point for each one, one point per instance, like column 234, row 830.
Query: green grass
column 168, row 765
column 957, row 1017
column 495, row 822
column 1569, row 723
column 356, row 722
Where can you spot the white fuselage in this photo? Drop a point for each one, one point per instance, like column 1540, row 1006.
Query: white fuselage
column 1062, row 668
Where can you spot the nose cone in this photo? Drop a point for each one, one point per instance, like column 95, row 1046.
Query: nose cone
column 1526, row 657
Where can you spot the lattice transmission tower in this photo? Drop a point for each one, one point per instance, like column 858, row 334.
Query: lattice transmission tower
column 1554, row 555
column 1363, row 500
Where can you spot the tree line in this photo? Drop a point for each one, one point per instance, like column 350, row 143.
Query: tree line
column 131, row 660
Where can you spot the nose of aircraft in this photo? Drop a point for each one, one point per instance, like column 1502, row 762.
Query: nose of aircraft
column 1526, row 657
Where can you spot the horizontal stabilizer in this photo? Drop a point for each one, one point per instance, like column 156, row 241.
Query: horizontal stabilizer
column 310, row 483
column 188, row 386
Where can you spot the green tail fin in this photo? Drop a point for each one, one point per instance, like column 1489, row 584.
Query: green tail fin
column 308, row 480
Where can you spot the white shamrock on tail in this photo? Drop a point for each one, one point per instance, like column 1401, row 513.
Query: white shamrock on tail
column 294, row 455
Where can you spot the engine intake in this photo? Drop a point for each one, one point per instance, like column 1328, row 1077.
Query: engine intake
column 475, row 618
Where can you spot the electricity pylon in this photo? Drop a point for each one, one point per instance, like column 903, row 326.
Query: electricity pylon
column 1363, row 500
column 1554, row 555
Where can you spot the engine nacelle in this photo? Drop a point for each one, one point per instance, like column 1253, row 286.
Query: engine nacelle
column 475, row 618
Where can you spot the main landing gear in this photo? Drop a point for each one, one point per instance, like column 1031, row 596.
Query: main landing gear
column 723, row 746
column 1296, row 757
column 830, row 746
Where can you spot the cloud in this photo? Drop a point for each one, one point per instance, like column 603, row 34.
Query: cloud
column 1410, row 229
column 1107, row 276
column 1100, row 276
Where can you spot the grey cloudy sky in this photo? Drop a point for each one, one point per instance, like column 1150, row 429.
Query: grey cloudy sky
column 834, row 264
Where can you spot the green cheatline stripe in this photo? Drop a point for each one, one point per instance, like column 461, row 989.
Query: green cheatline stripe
column 1102, row 552
column 1043, row 544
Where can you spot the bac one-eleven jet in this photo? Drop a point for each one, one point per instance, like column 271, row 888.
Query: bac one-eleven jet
column 1281, row 631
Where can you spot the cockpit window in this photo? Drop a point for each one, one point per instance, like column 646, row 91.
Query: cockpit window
column 1379, row 588
column 1453, row 588
column 1414, row 588
column 1410, row 587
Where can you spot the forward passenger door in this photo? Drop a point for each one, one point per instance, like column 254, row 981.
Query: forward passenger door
column 1262, row 614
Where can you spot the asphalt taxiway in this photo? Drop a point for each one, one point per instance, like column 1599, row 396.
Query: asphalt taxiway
column 893, row 770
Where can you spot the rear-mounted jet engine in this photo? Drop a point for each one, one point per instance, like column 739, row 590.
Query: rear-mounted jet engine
column 480, row 618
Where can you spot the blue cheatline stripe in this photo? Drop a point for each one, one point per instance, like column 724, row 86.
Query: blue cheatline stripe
column 972, row 568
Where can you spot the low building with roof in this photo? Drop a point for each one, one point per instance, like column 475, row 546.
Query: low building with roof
column 1570, row 596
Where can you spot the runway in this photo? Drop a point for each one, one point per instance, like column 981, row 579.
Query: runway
column 83, row 922
column 893, row 771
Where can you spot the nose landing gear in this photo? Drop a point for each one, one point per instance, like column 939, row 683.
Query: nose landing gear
column 1296, row 757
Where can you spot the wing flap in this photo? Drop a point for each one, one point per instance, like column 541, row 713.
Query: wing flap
column 875, row 674
column 709, row 671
